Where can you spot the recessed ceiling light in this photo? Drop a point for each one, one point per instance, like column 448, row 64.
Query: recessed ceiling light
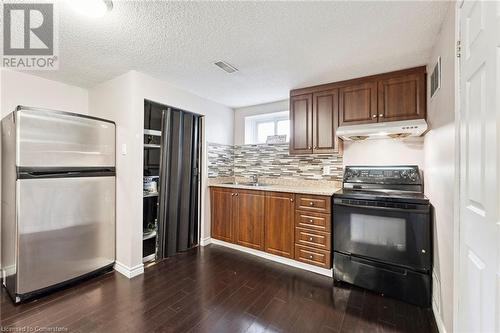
column 225, row 66
column 92, row 8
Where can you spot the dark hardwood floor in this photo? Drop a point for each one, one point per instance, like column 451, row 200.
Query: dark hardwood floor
column 214, row 289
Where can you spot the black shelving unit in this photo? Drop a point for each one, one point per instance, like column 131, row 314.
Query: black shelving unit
column 152, row 154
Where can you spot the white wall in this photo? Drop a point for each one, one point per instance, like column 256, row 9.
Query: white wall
column 20, row 88
column 122, row 100
column 113, row 100
column 439, row 150
column 408, row 151
column 241, row 113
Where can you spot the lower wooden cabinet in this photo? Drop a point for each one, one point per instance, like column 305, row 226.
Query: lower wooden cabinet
column 222, row 210
column 313, row 256
column 282, row 224
column 317, row 239
column 249, row 219
column 279, row 224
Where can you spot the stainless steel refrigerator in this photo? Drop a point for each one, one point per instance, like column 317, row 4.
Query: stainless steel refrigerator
column 58, row 199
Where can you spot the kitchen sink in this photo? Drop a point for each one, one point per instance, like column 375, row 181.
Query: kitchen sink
column 246, row 184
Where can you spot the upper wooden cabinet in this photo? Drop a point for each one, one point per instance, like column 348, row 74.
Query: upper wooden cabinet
column 316, row 112
column 325, row 122
column 301, row 124
column 314, row 121
column 358, row 104
column 402, row 97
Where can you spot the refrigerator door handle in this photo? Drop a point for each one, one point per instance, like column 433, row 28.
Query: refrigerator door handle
column 106, row 172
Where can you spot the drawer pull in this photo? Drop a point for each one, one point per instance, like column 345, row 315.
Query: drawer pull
column 310, row 221
column 291, row 199
column 310, row 238
column 311, row 204
column 311, row 256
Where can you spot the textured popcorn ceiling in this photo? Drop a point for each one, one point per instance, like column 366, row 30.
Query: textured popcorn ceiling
column 276, row 46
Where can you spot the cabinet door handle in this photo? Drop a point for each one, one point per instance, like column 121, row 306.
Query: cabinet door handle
column 232, row 194
column 374, row 116
column 315, row 147
column 291, row 199
column 308, row 147
column 236, row 194
column 380, row 115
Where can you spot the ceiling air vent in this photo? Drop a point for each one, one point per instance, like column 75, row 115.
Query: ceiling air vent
column 226, row 67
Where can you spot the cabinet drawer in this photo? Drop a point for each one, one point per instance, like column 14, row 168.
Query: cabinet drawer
column 312, row 256
column 314, row 203
column 316, row 239
column 313, row 221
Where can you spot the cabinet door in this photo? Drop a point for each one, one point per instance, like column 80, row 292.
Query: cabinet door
column 402, row 98
column 222, row 226
column 279, row 224
column 325, row 121
column 301, row 124
column 249, row 219
column 358, row 104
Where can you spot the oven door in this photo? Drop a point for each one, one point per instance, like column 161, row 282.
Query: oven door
column 394, row 233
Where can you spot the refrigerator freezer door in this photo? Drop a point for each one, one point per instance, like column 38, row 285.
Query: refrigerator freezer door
column 66, row 228
column 48, row 139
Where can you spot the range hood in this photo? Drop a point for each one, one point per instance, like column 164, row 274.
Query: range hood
column 392, row 129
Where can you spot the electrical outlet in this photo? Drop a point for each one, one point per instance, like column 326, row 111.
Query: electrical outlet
column 124, row 149
column 326, row 170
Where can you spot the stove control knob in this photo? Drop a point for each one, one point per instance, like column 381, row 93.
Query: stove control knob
column 413, row 176
column 404, row 174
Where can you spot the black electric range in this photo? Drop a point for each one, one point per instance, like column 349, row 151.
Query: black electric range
column 382, row 232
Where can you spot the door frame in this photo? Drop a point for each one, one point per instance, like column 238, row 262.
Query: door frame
column 457, row 197
column 457, row 248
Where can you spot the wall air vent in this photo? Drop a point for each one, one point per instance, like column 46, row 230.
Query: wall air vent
column 436, row 77
column 226, row 67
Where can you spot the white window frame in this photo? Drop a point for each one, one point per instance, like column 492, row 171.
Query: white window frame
column 252, row 122
column 273, row 120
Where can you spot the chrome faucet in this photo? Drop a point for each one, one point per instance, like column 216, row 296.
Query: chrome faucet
column 255, row 179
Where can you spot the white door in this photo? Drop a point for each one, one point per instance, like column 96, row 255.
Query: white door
column 479, row 262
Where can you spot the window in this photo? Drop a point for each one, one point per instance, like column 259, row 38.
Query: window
column 258, row 128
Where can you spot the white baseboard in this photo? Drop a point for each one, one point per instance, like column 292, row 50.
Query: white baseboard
column 205, row 241
column 289, row 262
column 129, row 272
column 437, row 317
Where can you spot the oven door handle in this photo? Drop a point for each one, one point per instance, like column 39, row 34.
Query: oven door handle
column 392, row 209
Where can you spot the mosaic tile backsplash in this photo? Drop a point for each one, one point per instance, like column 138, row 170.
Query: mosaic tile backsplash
column 270, row 161
column 220, row 160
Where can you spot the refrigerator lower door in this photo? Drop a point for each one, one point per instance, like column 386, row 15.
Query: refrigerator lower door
column 66, row 228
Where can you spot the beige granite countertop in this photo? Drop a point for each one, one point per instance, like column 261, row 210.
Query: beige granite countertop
column 281, row 185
